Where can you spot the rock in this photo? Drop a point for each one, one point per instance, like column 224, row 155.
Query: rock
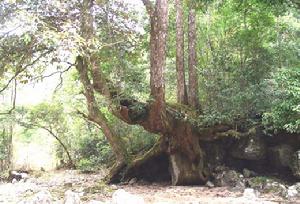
column 227, row 178
column 122, row 197
column 281, row 156
column 246, row 173
column 251, row 147
column 240, row 186
column 132, row 181
column 14, row 175
column 297, row 185
column 71, row 197
column 42, row 197
column 275, row 188
column 250, row 194
column 295, row 164
column 209, row 184
column 292, row 192
column 114, row 187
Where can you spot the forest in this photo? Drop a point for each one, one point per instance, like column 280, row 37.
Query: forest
column 187, row 93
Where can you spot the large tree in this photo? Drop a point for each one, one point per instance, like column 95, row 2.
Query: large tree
column 193, row 97
column 179, row 153
column 181, row 85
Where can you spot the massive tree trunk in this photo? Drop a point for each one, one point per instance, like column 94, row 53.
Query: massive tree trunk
column 181, row 86
column 178, row 151
column 192, row 60
column 179, row 142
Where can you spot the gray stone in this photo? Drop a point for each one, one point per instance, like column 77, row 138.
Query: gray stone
column 132, row 181
column 275, row 188
column 297, row 185
column 246, row 173
column 228, row 178
column 114, row 187
column 250, row 194
column 209, row 184
column 292, row 192
column 42, row 197
column 71, row 197
column 122, row 197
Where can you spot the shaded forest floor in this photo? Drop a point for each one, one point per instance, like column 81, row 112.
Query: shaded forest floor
column 91, row 187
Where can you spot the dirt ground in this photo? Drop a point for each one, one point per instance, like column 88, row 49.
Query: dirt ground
column 91, row 187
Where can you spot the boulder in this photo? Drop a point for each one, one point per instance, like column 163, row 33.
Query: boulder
column 228, row 178
column 122, row 197
column 132, row 181
column 248, row 173
column 280, row 156
column 209, row 184
column 17, row 176
column 71, row 197
column 250, row 147
column 250, row 194
column 42, row 197
column 292, row 191
column 275, row 188
column 14, row 175
column 295, row 164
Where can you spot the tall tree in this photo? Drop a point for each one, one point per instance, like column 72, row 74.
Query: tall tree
column 181, row 86
column 158, row 37
column 192, row 59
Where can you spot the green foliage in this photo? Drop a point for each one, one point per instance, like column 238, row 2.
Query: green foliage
column 93, row 152
column 241, row 44
column 285, row 111
column 86, row 165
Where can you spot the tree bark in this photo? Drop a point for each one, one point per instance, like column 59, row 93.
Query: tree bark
column 181, row 85
column 192, row 59
column 94, row 113
column 158, row 40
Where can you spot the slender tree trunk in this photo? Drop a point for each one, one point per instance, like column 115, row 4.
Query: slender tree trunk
column 95, row 115
column 10, row 147
column 193, row 76
column 181, row 86
column 70, row 162
column 83, row 65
